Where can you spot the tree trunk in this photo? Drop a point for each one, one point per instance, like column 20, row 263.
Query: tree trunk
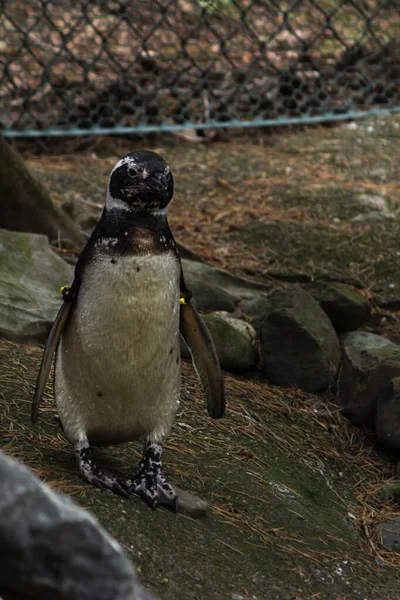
column 25, row 205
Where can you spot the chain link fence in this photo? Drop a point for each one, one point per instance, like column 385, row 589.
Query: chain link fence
column 83, row 67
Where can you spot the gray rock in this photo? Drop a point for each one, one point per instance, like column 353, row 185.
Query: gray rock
column 369, row 363
column 197, row 274
column 390, row 534
column 346, row 308
column 55, row 550
column 388, row 415
column 255, row 309
column 372, row 201
column 190, row 505
column 210, row 297
column 372, row 216
column 298, row 343
column 31, row 275
column 363, row 340
column 234, row 342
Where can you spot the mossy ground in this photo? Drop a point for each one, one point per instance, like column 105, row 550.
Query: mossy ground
column 276, row 204
column 292, row 487
column 281, row 472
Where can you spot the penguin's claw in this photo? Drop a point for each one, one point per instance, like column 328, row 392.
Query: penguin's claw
column 100, row 479
column 150, row 483
column 105, row 481
column 154, row 489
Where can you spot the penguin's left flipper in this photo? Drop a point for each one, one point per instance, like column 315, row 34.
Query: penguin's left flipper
column 204, row 355
column 50, row 348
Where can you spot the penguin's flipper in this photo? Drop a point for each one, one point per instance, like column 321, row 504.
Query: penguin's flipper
column 205, row 359
column 48, row 354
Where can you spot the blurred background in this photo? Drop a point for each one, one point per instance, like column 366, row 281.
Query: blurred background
column 131, row 66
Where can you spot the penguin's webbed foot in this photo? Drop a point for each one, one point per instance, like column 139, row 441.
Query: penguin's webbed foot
column 150, row 483
column 101, row 479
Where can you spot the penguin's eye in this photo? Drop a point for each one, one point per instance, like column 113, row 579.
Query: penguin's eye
column 132, row 172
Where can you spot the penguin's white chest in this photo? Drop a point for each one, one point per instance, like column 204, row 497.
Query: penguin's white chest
column 118, row 363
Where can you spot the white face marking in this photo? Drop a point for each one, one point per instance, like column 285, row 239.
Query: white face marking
column 126, row 160
column 115, row 203
column 145, row 173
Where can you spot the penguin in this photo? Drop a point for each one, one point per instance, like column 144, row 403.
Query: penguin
column 116, row 336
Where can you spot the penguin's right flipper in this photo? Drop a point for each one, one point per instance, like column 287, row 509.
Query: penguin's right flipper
column 205, row 359
column 49, row 351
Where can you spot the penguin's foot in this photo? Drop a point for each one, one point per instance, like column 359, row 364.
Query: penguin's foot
column 150, row 483
column 91, row 473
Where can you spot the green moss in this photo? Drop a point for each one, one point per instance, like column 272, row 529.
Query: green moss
column 233, row 342
column 16, row 251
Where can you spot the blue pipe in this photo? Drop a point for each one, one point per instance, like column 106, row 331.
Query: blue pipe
column 165, row 127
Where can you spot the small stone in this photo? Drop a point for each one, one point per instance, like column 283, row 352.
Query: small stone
column 299, row 345
column 346, row 308
column 374, row 215
column 379, row 172
column 390, row 534
column 190, row 505
column 374, row 202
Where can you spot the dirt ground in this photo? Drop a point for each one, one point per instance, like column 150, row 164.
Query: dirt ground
column 292, row 486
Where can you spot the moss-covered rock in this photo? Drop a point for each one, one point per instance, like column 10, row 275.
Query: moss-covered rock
column 255, row 309
column 369, row 363
column 234, row 342
column 298, row 343
column 346, row 308
column 30, row 278
column 197, row 274
column 210, row 297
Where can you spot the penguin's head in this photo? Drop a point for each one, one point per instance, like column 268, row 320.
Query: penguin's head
column 140, row 182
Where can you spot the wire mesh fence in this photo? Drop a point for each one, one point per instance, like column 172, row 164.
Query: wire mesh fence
column 140, row 65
